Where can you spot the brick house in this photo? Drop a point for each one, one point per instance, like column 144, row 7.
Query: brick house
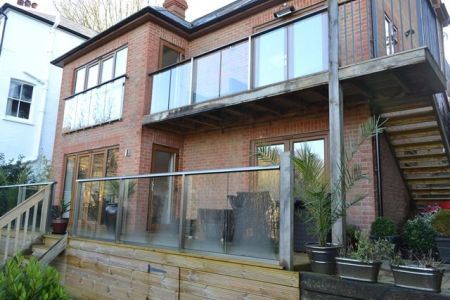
column 156, row 93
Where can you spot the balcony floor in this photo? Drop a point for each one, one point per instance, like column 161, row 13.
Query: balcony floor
column 405, row 79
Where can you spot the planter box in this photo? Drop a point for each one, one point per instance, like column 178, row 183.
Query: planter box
column 424, row 279
column 323, row 259
column 394, row 239
column 357, row 270
column 443, row 245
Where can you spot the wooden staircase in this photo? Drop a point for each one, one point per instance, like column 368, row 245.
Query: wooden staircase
column 22, row 228
column 419, row 139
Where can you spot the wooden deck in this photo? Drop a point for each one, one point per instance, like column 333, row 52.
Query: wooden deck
column 100, row 270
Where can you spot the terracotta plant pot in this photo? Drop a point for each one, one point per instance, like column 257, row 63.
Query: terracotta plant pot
column 59, row 225
column 323, row 259
column 354, row 269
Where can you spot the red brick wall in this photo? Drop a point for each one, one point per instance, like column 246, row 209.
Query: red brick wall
column 396, row 199
column 230, row 148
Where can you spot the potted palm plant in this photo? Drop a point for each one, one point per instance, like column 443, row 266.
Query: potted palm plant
column 423, row 274
column 363, row 262
column 318, row 197
column 441, row 225
column 59, row 223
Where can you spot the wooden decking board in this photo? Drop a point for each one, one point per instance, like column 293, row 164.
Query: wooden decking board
column 408, row 113
column 413, row 127
column 416, row 141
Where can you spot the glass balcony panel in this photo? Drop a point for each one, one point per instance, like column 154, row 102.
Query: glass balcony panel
column 270, row 57
column 309, row 46
column 238, row 216
column 152, row 211
column 70, row 110
column 207, row 77
column 93, row 107
column 98, row 209
column 234, row 69
column 180, row 86
column 160, row 92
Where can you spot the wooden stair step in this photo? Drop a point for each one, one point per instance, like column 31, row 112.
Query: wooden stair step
column 408, row 113
column 416, row 140
column 424, row 164
column 428, row 181
column 442, row 157
column 415, row 134
column 427, row 201
column 443, row 194
column 423, row 147
column 412, row 127
column 420, row 154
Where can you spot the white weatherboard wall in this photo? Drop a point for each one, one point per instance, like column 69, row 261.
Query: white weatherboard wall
column 28, row 47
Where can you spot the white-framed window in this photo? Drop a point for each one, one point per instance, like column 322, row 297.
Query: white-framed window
column 102, row 70
column 391, row 35
column 19, row 99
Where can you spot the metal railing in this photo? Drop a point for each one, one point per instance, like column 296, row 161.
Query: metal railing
column 95, row 106
column 376, row 28
column 292, row 50
column 237, row 211
column 27, row 219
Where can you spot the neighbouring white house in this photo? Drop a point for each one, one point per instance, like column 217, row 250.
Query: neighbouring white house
column 29, row 84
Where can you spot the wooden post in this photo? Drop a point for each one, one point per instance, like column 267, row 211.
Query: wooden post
column 336, row 118
column 286, row 211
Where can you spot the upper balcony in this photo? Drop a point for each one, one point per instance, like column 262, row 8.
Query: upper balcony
column 388, row 49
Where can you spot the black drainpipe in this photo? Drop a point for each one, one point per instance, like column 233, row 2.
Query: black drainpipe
column 3, row 30
column 378, row 169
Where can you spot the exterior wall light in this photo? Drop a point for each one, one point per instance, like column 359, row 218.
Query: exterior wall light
column 284, row 12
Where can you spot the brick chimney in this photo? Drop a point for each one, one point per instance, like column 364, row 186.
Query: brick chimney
column 177, row 7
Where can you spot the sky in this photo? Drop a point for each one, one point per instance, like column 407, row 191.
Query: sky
column 198, row 8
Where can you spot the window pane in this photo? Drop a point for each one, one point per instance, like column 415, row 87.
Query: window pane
column 169, row 56
column 14, row 89
column 160, row 92
column 24, row 110
column 207, row 77
column 316, row 147
column 121, row 62
column 111, row 163
column 180, row 86
column 309, row 51
column 107, row 69
column 234, row 73
column 68, row 181
column 27, row 92
column 79, row 84
column 270, row 57
column 92, row 76
column 12, row 107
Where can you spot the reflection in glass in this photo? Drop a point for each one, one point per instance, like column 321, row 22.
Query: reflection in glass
column 234, row 69
column 180, row 86
column 270, row 57
column 92, row 76
column 160, row 92
column 207, row 79
column 121, row 62
column 107, row 69
column 316, row 147
column 309, row 46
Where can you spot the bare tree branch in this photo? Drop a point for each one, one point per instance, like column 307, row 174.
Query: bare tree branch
column 97, row 14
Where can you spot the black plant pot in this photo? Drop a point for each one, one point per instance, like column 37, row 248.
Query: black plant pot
column 443, row 245
column 323, row 259
column 354, row 269
column 424, row 279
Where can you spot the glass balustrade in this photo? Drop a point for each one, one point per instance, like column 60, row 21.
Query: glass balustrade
column 291, row 51
column 233, row 212
column 95, row 106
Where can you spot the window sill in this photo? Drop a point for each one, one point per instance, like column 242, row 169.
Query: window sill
column 18, row 120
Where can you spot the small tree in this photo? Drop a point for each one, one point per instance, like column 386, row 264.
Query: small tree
column 313, row 185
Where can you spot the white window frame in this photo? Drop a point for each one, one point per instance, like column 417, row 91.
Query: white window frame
column 99, row 62
column 391, row 35
column 20, row 100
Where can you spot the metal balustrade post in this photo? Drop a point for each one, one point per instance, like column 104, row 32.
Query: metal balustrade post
column 286, row 247
column 77, row 206
column 182, row 228
column 123, row 189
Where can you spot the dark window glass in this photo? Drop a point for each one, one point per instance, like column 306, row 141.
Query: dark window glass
column 24, row 110
column 169, row 56
column 19, row 99
column 27, row 92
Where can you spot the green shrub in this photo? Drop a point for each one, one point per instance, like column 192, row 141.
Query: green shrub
column 369, row 251
column 419, row 235
column 383, row 227
column 26, row 280
column 441, row 223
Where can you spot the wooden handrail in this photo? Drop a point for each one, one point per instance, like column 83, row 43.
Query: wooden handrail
column 22, row 210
